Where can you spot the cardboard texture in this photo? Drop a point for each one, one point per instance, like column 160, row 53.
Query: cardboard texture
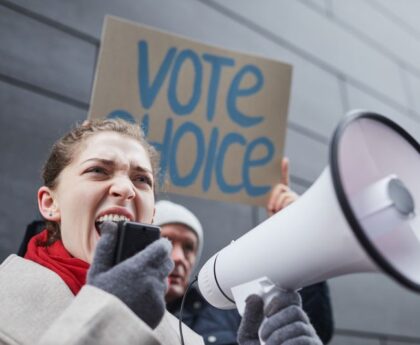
column 217, row 117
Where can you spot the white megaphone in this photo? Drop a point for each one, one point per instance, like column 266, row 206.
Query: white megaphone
column 359, row 216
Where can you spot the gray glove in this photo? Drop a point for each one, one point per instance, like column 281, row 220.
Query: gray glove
column 286, row 322
column 251, row 321
column 140, row 281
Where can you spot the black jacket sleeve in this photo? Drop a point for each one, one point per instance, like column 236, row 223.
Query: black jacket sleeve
column 317, row 304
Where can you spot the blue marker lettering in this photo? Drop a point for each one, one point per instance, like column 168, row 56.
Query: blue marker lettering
column 217, row 62
column 188, row 107
column 235, row 91
column 148, row 92
column 228, row 140
column 248, row 163
column 189, row 179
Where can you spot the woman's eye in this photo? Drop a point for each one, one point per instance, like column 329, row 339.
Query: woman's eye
column 141, row 179
column 97, row 170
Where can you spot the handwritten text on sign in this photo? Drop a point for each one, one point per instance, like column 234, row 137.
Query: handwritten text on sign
column 199, row 107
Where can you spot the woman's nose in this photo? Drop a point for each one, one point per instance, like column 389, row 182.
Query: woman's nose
column 122, row 187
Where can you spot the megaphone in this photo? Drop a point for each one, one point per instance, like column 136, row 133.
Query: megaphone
column 359, row 216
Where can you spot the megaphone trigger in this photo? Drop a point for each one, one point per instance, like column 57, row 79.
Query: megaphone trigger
column 262, row 287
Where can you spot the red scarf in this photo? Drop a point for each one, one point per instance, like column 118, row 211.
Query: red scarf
column 55, row 257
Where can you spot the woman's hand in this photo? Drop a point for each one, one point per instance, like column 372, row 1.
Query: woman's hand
column 286, row 322
column 251, row 321
column 140, row 281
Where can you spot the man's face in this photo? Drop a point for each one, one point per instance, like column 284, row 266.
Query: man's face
column 110, row 175
column 185, row 245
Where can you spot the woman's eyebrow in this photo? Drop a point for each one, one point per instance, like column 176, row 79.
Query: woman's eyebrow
column 100, row 160
column 141, row 169
column 112, row 163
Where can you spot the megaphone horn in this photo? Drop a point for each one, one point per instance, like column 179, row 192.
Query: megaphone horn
column 359, row 216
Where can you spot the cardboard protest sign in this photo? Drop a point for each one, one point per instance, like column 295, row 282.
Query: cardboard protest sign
column 217, row 117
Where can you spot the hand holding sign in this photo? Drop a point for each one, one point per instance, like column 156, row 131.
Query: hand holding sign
column 281, row 195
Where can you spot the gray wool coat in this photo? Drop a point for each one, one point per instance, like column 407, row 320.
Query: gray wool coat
column 37, row 307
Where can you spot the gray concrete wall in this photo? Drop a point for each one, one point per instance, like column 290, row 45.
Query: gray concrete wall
column 346, row 54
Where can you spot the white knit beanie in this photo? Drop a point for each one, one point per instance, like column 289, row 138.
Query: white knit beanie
column 168, row 212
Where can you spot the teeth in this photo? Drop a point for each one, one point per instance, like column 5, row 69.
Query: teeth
column 112, row 218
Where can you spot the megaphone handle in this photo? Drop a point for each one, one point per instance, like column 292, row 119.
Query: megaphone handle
column 262, row 287
column 267, row 294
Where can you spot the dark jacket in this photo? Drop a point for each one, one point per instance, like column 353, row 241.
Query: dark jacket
column 218, row 326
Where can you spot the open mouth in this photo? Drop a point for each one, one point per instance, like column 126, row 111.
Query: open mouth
column 109, row 218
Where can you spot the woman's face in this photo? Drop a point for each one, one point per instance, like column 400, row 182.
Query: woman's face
column 110, row 176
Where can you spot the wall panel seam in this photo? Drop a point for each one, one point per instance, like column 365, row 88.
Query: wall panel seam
column 312, row 59
column 50, row 22
column 308, row 132
column 344, row 96
column 315, row 7
column 376, row 335
column 44, row 92
column 371, row 42
column 394, row 18
column 302, row 182
column 406, row 85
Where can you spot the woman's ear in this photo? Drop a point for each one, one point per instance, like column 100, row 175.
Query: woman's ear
column 47, row 205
